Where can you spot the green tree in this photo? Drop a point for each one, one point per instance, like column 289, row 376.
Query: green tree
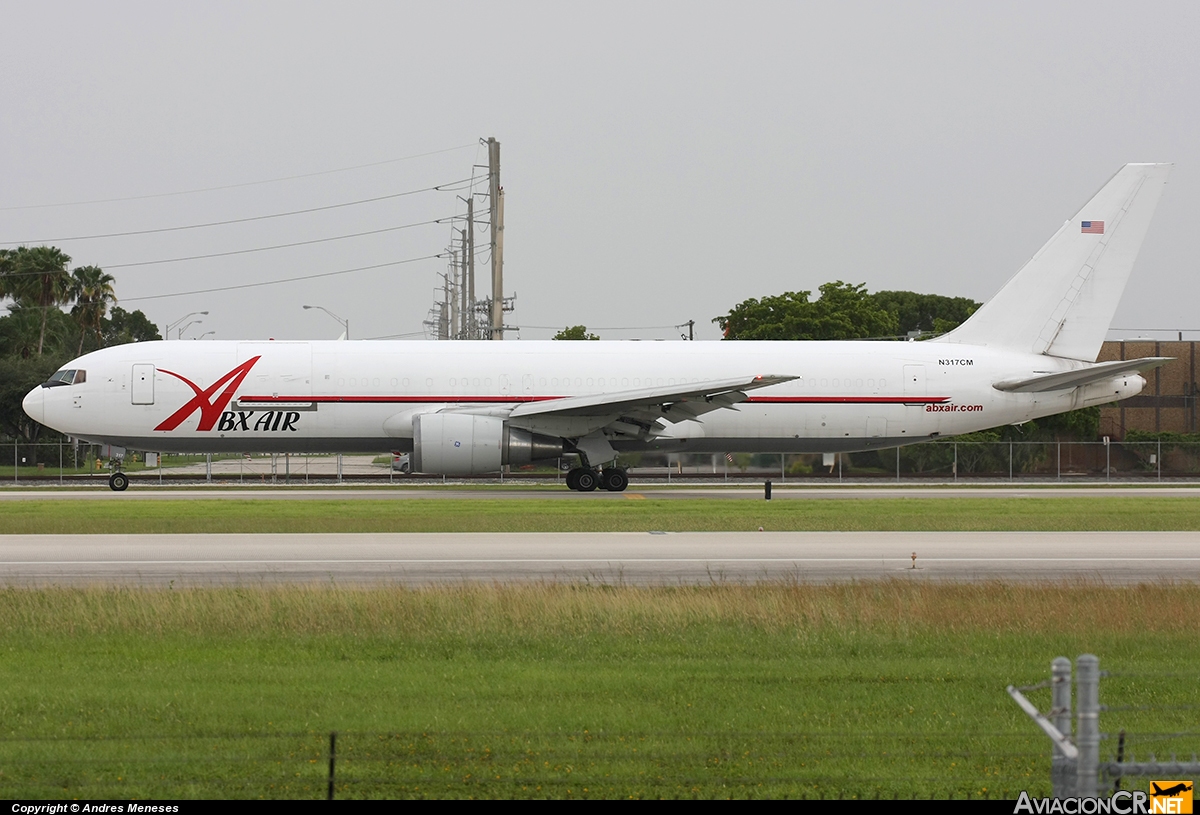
column 575, row 332
column 21, row 330
column 927, row 313
column 128, row 326
column 93, row 292
column 17, row 377
column 843, row 312
column 37, row 277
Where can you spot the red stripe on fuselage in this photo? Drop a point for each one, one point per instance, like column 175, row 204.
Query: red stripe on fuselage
column 762, row 400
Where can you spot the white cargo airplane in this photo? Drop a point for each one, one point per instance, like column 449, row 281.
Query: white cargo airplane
column 472, row 407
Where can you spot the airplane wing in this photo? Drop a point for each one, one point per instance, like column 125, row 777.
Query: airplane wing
column 1080, row 376
column 677, row 402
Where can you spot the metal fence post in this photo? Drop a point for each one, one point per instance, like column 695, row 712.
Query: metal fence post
column 955, row 462
column 1058, row 474
column 1062, row 769
column 1158, row 458
column 1010, row 461
column 60, row 464
column 339, row 468
column 1087, row 735
column 208, row 468
column 15, row 462
column 897, row 464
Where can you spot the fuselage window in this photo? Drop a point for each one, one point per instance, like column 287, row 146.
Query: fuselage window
column 375, row 382
column 554, row 381
column 394, row 383
column 870, row 383
column 341, row 381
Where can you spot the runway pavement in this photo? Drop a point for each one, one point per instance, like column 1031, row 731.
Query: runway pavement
column 609, row 557
column 139, row 492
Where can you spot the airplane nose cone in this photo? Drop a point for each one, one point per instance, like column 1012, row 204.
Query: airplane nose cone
column 34, row 404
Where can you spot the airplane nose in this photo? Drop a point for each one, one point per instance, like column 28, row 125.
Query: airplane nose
column 34, row 404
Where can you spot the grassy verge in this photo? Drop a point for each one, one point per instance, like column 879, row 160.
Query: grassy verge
column 859, row 690
column 130, row 515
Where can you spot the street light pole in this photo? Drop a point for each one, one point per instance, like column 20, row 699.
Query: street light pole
column 167, row 330
column 179, row 333
column 345, row 323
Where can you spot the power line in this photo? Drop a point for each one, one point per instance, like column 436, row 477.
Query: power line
column 269, row 248
column 236, row 186
column 606, row 327
column 281, row 280
column 439, row 187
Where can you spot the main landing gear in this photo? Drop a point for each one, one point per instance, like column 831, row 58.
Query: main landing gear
column 585, row 479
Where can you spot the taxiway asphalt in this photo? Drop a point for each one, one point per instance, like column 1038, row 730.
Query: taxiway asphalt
column 605, row 557
column 138, row 492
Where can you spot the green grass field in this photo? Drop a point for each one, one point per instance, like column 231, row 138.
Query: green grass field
column 131, row 515
column 888, row 689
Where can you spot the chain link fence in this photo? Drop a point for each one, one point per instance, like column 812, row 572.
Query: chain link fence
column 946, row 461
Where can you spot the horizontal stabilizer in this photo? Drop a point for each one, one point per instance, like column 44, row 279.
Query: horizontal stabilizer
column 1080, row 376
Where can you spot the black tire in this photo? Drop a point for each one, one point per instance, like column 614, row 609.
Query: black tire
column 615, row 480
column 573, row 478
column 587, row 481
column 118, row 482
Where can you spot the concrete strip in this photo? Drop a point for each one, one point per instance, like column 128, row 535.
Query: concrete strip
column 638, row 558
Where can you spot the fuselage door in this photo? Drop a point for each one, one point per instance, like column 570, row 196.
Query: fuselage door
column 914, row 380
column 142, row 392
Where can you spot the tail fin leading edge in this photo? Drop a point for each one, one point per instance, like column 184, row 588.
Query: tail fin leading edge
column 1062, row 301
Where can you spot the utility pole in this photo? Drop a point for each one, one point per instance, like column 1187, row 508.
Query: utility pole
column 470, row 249
column 464, row 307
column 443, row 323
column 496, row 203
column 452, row 296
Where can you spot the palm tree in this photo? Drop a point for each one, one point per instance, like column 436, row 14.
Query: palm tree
column 93, row 293
column 39, row 277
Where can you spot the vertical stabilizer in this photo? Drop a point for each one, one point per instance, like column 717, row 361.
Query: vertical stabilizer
column 1063, row 300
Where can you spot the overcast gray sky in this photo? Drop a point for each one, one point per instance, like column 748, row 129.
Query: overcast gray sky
column 661, row 161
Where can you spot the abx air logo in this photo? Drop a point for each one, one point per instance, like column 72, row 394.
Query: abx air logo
column 210, row 409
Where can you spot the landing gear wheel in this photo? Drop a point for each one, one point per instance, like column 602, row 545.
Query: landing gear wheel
column 587, row 481
column 573, row 478
column 117, row 482
column 614, row 480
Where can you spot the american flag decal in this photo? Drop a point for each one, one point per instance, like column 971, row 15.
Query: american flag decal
column 1092, row 227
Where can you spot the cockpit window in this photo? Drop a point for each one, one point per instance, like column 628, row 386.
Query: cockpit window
column 70, row 376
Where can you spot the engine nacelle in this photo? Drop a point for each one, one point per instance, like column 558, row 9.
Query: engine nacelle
column 468, row 444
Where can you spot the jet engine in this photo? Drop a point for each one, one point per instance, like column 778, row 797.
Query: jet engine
column 467, row 444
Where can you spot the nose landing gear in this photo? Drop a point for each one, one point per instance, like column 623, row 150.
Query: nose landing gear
column 118, row 481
